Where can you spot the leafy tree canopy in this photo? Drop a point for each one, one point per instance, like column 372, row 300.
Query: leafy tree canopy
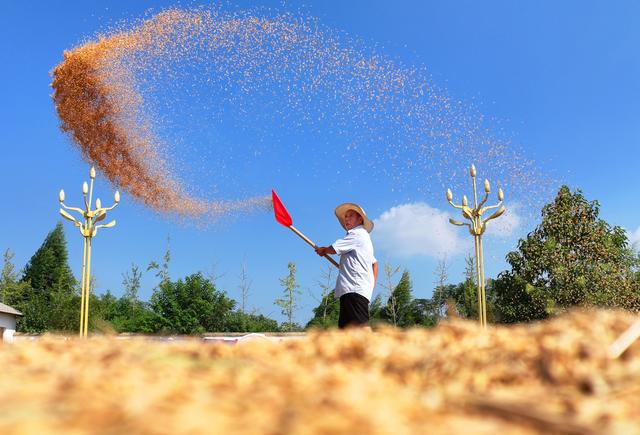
column 326, row 314
column 572, row 258
column 192, row 305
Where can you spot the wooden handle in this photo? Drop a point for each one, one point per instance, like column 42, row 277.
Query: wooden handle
column 313, row 245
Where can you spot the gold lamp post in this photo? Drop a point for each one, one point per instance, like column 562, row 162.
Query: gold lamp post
column 88, row 229
column 477, row 227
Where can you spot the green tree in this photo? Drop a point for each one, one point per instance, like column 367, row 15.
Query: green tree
column 139, row 318
column 11, row 290
column 128, row 313
column 64, row 309
column 518, row 300
column 572, row 258
column 239, row 321
column 326, row 314
column 103, row 310
column 398, row 308
column 424, row 312
column 192, row 305
column 289, row 302
column 48, row 268
column 376, row 308
column 52, row 302
column 466, row 295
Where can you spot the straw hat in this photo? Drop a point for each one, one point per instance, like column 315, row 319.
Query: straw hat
column 342, row 209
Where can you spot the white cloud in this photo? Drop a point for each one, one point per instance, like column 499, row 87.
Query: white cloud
column 418, row 229
column 634, row 238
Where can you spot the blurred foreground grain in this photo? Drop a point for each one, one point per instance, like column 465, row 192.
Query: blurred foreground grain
column 551, row 377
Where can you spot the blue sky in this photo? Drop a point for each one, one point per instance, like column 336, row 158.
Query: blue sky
column 560, row 79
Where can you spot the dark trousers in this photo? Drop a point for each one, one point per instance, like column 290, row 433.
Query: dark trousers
column 354, row 310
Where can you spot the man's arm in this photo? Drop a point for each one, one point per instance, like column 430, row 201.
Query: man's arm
column 375, row 274
column 322, row 251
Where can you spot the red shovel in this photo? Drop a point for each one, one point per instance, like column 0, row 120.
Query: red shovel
column 283, row 218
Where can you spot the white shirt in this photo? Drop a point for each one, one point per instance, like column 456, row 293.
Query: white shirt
column 356, row 263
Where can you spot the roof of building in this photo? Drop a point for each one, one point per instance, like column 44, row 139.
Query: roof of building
column 7, row 309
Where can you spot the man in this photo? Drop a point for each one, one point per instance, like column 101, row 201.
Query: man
column 358, row 267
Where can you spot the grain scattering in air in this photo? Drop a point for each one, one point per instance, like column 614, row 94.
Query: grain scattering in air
column 117, row 95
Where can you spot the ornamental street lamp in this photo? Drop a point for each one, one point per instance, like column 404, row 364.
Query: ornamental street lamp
column 88, row 229
column 477, row 227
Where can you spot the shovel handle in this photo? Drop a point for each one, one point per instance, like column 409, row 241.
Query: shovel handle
column 313, row 245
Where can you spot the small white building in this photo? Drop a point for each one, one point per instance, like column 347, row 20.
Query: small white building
column 8, row 318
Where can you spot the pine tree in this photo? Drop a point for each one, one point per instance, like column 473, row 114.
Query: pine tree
column 398, row 306
column 376, row 308
column 52, row 301
column 48, row 267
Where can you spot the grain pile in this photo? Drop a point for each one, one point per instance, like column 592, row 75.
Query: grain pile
column 551, row 377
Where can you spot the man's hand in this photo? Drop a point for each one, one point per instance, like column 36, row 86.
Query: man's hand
column 322, row 251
